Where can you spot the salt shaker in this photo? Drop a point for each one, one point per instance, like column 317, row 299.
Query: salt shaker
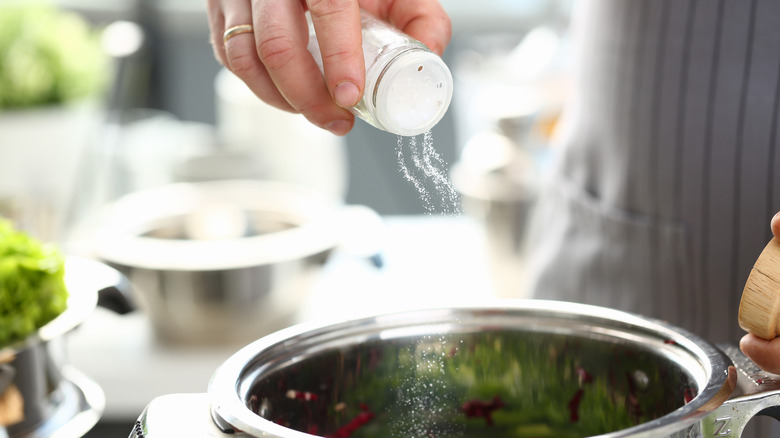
column 408, row 87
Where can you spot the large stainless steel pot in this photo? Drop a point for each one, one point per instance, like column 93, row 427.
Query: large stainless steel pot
column 54, row 399
column 519, row 368
column 223, row 261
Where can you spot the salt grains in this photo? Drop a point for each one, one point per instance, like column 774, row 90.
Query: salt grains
column 422, row 166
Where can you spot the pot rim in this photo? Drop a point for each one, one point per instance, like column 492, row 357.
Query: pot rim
column 316, row 226
column 715, row 376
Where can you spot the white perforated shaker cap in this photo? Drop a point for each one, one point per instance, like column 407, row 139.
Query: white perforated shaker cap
column 413, row 93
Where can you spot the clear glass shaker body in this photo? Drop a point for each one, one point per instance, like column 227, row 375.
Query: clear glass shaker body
column 408, row 88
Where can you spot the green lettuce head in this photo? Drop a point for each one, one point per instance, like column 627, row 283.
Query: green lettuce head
column 32, row 284
column 47, row 56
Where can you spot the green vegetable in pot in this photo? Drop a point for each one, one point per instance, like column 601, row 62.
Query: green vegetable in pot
column 47, row 56
column 32, row 284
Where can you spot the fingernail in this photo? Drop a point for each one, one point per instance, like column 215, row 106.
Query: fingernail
column 339, row 127
column 775, row 224
column 346, row 94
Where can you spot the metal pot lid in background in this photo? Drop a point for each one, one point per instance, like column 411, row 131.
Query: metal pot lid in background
column 227, row 225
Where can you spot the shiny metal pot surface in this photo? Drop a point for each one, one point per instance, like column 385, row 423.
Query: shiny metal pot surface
column 516, row 368
column 223, row 261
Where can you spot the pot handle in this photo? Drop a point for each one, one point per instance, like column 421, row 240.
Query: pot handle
column 117, row 298
column 182, row 415
column 757, row 392
column 114, row 291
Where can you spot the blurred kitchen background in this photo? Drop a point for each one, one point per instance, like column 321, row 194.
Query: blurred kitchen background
column 173, row 115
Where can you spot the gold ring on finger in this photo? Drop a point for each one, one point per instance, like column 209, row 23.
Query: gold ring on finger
column 230, row 32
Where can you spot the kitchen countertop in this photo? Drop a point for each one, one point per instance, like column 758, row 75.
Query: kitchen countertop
column 428, row 261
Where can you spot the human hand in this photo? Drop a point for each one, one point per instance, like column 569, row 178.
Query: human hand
column 274, row 63
column 765, row 354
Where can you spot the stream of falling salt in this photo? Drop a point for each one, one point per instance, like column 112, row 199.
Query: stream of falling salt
column 426, row 171
column 428, row 405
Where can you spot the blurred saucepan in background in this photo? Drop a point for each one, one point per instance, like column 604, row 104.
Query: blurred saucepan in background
column 41, row 394
column 226, row 261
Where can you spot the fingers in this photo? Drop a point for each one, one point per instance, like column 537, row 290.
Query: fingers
column 765, row 354
column 337, row 23
column 273, row 60
column 278, row 68
column 216, row 27
column 281, row 37
column 430, row 25
column 426, row 21
column 240, row 56
column 776, row 225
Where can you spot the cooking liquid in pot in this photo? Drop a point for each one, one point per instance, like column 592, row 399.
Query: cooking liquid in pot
column 501, row 384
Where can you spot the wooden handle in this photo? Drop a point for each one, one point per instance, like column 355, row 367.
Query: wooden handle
column 759, row 309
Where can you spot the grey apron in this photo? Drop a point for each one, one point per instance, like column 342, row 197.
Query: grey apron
column 668, row 164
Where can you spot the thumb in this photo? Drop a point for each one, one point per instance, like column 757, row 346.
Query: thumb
column 765, row 354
